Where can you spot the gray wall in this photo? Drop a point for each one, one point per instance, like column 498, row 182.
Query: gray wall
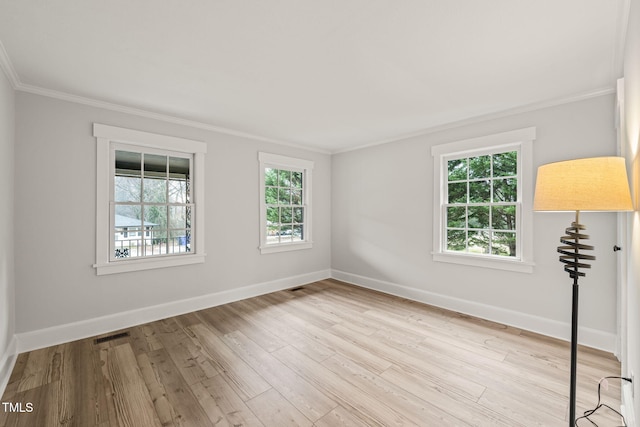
column 382, row 227
column 55, row 219
column 7, row 283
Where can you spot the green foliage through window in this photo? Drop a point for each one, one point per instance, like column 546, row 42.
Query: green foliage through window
column 482, row 204
column 284, row 201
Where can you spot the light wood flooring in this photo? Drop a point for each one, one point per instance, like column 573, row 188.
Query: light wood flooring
column 328, row 354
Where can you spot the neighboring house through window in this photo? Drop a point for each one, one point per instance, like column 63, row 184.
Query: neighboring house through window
column 285, row 203
column 482, row 191
column 150, row 200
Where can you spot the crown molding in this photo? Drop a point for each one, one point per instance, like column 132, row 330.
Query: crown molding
column 64, row 96
column 9, row 70
column 621, row 38
column 489, row 116
column 7, row 67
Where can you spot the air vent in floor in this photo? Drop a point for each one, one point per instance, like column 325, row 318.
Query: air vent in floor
column 111, row 337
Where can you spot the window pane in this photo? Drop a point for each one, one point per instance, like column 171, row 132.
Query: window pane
column 505, row 190
column 479, row 167
column 155, row 190
column 155, row 178
column 128, row 176
column 456, row 240
column 178, row 216
column 273, row 216
column 126, row 248
column 271, row 176
column 457, row 192
column 296, row 197
column 178, row 191
column 156, row 218
column 479, row 242
column 503, row 243
column 155, row 166
column 456, row 217
column 286, row 215
column 284, row 178
column 271, row 195
column 178, row 241
column 296, row 179
column 178, row 167
column 479, row 192
column 505, row 164
column 273, row 234
column 479, row 217
column 503, row 217
column 179, row 176
column 457, row 169
column 298, row 215
column 284, row 196
column 128, row 215
column 297, row 233
column 286, row 233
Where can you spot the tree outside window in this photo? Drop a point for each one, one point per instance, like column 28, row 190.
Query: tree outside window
column 482, row 204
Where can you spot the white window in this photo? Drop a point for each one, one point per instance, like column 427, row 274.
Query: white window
column 483, row 189
column 285, row 203
column 150, row 200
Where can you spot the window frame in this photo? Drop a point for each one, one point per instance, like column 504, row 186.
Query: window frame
column 275, row 161
column 109, row 137
column 520, row 140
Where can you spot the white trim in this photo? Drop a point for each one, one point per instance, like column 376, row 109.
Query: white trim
column 486, row 117
column 552, row 328
column 290, row 163
column 521, row 140
column 41, row 338
column 106, row 136
column 498, row 263
column 155, row 116
column 485, row 142
column 285, row 161
column 626, row 406
column 7, row 362
column 148, row 139
column 147, row 264
column 7, row 66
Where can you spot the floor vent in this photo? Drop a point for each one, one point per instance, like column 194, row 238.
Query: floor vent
column 111, row 337
column 299, row 288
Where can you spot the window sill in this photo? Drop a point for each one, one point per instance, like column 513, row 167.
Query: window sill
column 285, row 247
column 483, row 261
column 147, row 264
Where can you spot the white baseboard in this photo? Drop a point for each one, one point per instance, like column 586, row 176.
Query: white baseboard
column 628, row 410
column 32, row 340
column 553, row 328
column 7, row 362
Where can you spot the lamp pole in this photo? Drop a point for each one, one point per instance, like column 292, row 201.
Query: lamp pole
column 571, row 256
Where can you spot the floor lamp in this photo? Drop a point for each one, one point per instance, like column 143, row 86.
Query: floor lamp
column 593, row 184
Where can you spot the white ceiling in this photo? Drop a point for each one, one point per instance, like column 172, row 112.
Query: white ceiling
column 327, row 74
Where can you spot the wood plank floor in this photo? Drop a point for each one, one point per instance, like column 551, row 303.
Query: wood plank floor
column 328, row 354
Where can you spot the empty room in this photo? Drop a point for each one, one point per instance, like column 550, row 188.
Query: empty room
column 299, row 213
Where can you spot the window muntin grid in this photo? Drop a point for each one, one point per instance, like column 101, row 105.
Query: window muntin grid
column 482, row 204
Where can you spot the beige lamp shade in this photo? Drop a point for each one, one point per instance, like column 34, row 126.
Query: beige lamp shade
column 593, row 184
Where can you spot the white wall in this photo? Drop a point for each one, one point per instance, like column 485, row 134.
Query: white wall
column 382, row 228
column 631, row 304
column 55, row 227
column 7, row 283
